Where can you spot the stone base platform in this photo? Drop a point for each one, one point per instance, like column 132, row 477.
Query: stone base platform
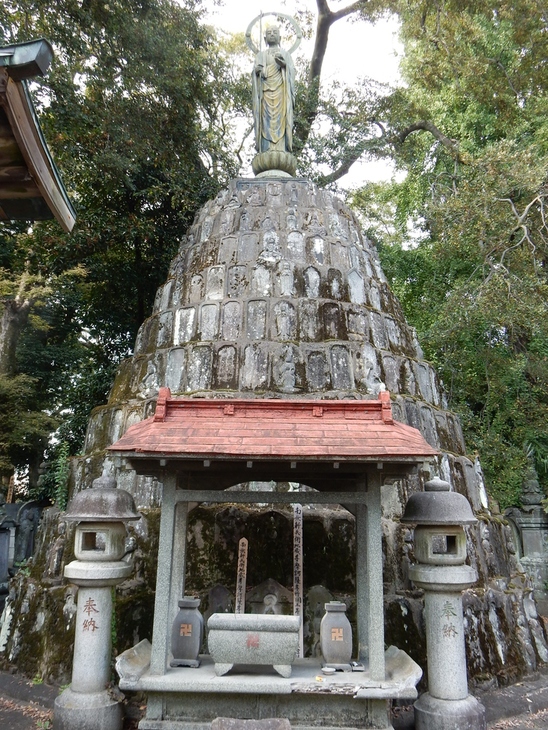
column 190, row 699
column 91, row 711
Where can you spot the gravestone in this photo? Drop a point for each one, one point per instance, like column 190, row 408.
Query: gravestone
column 530, row 525
column 270, row 597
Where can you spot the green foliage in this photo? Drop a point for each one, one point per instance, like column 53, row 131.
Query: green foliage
column 345, row 128
column 62, row 471
column 130, row 109
column 472, row 278
column 23, row 568
column 23, row 429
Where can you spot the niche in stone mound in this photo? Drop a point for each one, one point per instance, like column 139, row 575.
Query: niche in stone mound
column 328, row 540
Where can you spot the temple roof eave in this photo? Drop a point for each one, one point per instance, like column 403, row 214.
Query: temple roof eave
column 349, row 432
column 31, row 187
column 225, row 457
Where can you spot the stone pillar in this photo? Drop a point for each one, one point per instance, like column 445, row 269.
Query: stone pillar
column 87, row 704
column 375, row 580
column 92, row 639
column 447, row 704
column 168, row 586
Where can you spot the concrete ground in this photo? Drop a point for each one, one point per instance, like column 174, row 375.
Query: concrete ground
column 520, row 706
column 25, row 705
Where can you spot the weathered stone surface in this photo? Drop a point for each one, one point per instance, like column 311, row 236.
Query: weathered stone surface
column 209, row 322
column 132, row 663
column 253, row 639
column 226, row 367
column 231, row 723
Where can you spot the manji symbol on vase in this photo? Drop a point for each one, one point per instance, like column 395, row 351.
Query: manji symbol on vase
column 187, row 633
column 336, row 636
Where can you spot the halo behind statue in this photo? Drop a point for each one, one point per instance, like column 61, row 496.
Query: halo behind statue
column 297, row 28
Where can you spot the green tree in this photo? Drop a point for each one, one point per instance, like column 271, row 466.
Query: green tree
column 470, row 133
column 128, row 109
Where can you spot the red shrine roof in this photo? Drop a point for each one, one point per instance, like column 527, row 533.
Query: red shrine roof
column 355, row 430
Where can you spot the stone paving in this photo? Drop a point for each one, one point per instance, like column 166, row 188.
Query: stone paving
column 16, row 715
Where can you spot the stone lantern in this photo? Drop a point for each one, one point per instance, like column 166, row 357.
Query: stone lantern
column 440, row 549
column 99, row 549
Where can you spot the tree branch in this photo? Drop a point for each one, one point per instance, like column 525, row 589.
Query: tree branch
column 343, row 12
column 352, row 157
column 451, row 144
column 505, row 72
column 326, row 18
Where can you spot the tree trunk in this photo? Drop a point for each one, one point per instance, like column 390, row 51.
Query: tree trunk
column 13, row 318
column 326, row 18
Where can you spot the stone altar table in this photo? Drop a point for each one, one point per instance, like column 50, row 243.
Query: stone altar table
column 257, row 639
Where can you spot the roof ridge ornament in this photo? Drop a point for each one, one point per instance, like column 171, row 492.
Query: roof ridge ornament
column 386, row 406
column 164, row 394
column 27, row 59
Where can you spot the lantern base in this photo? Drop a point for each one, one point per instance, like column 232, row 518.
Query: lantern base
column 87, row 711
column 432, row 713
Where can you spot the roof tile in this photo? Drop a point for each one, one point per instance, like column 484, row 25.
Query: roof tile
column 284, row 429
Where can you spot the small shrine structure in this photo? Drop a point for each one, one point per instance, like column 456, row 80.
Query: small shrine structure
column 529, row 525
column 346, row 450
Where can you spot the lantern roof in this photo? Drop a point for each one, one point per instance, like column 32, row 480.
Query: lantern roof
column 103, row 502
column 437, row 505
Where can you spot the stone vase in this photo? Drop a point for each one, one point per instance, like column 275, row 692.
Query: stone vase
column 336, row 636
column 187, row 634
